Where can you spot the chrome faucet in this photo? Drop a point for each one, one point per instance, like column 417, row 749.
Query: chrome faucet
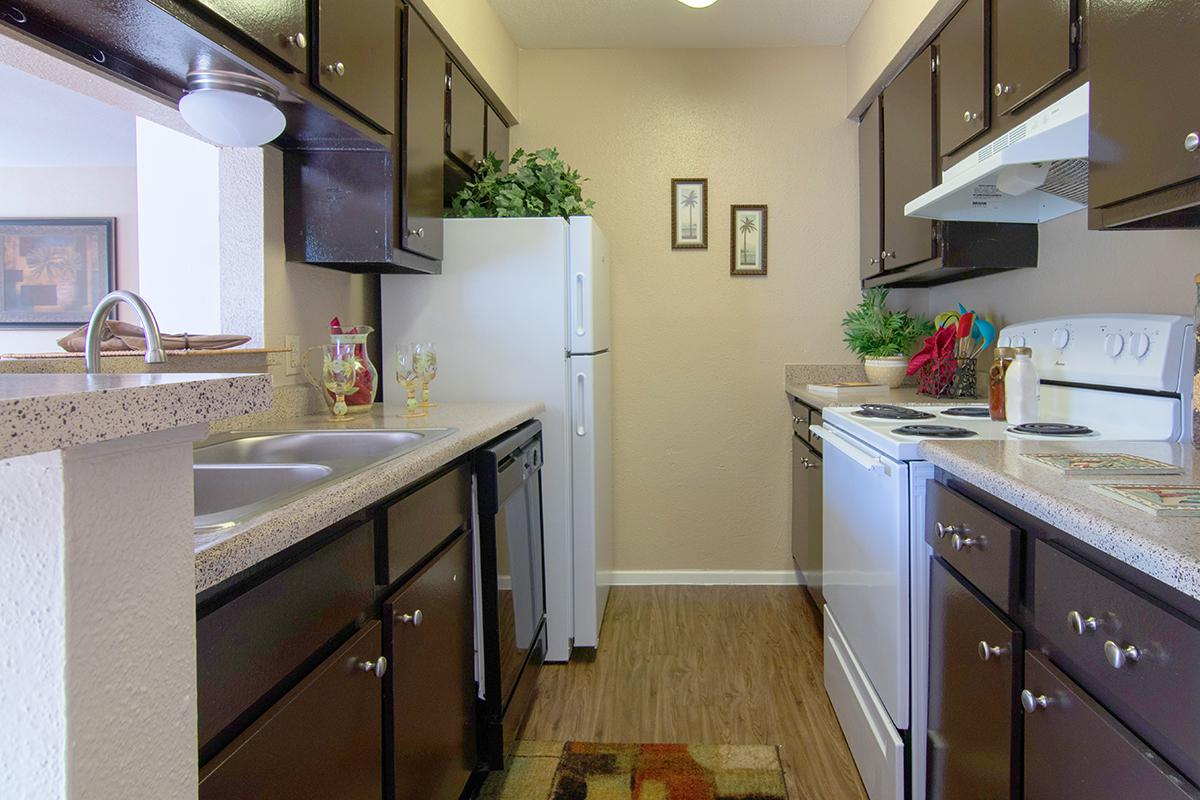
column 154, row 349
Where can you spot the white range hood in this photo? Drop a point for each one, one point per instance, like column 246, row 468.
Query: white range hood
column 1035, row 172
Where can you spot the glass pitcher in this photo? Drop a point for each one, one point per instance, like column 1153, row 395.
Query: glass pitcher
column 367, row 377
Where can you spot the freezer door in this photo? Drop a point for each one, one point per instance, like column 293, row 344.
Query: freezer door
column 589, row 316
column 591, row 491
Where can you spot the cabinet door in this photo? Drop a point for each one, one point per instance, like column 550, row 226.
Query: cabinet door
column 356, row 56
column 962, row 68
column 908, row 163
column 432, row 687
column 1074, row 748
column 320, row 741
column 280, row 26
column 1033, row 47
column 974, row 656
column 870, row 199
column 423, row 95
column 468, row 111
column 497, row 137
column 1145, row 122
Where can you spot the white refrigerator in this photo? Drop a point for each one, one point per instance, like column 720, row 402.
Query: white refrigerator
column 521, row 312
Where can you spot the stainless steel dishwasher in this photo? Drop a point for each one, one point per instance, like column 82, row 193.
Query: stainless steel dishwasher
column 806, row 498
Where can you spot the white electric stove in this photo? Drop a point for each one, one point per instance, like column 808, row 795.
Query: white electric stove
column 1103, row 377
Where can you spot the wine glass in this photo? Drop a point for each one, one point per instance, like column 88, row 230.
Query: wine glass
column 339, row 374
column 406, row 376
column 426, row 364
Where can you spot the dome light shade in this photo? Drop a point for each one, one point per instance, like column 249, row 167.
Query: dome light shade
column 232, row 108
column 698, row 3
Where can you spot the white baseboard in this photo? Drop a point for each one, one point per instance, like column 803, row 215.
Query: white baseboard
column 706, row 577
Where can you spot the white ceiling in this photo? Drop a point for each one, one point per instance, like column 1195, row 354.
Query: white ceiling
column 669, row 23
column 43, row 124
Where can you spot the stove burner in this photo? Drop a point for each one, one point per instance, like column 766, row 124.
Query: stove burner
column 967, row 411
column 934, row 431
column 1051, row 429
column 885, row 411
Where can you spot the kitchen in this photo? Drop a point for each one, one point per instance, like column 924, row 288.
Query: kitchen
column 761, row 103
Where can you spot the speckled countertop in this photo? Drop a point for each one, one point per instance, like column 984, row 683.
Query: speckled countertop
column 53, row 411
column 905, row 394
column 222, row 555
column 1165, row 548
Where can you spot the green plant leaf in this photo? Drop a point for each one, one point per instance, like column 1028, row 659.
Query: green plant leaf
column 872, row 331
column 538, row 184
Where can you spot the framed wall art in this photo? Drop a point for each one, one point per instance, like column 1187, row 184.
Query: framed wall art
column 689, row 214
column 54, row 271
column 748, row 240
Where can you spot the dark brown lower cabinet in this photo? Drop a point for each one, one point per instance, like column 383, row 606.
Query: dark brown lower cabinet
column 1074, row 748
column 321, row 741
column 431, row 688
column 974, row 663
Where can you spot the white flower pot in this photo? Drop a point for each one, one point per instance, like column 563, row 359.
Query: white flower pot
column 890, row 370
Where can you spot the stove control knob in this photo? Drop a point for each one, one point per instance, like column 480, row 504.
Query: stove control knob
column 1139, row 345
column 1114, row 343
column 1061, row 337
column 1018, row 341
column 1004, row 342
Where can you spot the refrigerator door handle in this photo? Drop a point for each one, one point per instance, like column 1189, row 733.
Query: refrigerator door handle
column 581, row 405
column 581, row 297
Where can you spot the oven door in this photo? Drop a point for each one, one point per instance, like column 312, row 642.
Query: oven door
column 865, row 536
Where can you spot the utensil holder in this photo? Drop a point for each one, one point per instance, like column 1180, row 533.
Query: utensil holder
column 949, row 377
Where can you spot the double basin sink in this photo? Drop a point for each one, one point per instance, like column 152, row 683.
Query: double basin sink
column 242, row 475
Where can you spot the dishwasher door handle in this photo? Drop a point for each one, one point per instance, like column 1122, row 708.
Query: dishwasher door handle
column 843, row 445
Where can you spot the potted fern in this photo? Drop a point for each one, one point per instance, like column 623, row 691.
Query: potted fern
column 883, row 339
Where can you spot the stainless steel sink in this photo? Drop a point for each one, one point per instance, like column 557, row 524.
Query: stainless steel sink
column 240, row 475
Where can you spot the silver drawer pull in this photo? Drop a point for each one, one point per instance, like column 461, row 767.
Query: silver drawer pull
column 989, row 651
column 1081, row 624
column 337, row 68
column 297, row 40
column 415, row 618
column 1191, row 142
column 378, row 666
column 945, row 530
column 963, row 542
column 1118, row 656
column 418, row 232
column 1032, row 702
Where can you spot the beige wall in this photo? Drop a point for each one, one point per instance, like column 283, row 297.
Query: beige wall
column 474, row 27
column 886, row 37
column 701, row 431
column 1082, row 271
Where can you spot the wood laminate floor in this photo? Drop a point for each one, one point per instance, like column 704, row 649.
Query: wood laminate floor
column 706, row 665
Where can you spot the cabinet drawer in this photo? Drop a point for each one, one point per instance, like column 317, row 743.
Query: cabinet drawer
column 418, row 523
column 977, row 543
column 1092, row 620
column 431, row 689
column 247, row 646
column 320, row 741
column 1074, row 748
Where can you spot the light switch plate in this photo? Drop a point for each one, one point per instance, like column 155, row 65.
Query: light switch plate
column 292, row 343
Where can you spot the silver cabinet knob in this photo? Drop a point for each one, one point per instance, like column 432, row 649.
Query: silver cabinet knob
column 989, row 651
column 418, row 232
column 945, row 530
column 887, row 254
column 1118, row 656
column 1191, row 142
column 1001, row 89
column 1081, row 624
column 970, row 116
column 297, row 40
column 336, row 69
column 378, row 666
column 1032, row 702
column 963, row 542
column 415, row 618
column 872, row 261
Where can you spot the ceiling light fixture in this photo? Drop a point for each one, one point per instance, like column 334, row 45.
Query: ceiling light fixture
column 232, row 108
column 698, row 3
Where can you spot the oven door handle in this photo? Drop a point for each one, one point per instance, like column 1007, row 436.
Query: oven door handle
column 843, row 445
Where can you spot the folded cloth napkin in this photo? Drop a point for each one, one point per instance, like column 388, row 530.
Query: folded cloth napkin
column 117, row 335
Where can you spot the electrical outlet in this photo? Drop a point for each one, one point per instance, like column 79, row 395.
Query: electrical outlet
column 292, row 343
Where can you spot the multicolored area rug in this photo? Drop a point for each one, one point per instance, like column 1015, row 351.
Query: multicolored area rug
column 579, row 770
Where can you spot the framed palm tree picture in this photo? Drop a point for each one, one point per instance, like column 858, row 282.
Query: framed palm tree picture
column 689, row 214
column 748, row 240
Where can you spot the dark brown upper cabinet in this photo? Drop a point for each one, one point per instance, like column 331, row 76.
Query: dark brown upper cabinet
column 423, row 96
column 909, row 165
column 356, row 56
column 279, row 26
column 1034, row 45
column 466, row 120
column 963, row 58
column 496, row 136
column 870, row 186
column 1145, row 122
